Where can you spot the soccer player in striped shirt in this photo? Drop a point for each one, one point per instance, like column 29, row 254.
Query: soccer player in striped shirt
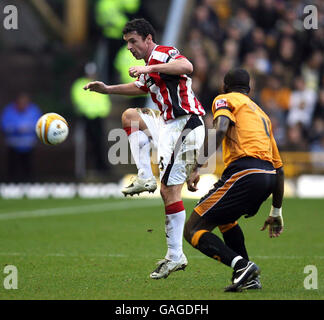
column 176, row 129
column 253, row 171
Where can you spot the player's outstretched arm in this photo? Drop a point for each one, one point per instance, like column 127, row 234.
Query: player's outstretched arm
column 275, row 220
column 128, row 89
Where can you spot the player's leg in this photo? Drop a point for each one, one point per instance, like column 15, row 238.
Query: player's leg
column 175, row 216
column 173, row 145
column 234, row 238
column 137, row 133
column 139, row 141
column 223, row 206
column 198, row 233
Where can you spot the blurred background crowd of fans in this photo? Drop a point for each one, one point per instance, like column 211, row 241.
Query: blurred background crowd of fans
column 44, row 72
column 285, row 60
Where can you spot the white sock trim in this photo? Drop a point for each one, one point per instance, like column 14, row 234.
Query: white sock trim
column 233, row 263
column 140, row 148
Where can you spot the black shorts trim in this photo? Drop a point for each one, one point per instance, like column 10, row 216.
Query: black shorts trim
column 240, row 191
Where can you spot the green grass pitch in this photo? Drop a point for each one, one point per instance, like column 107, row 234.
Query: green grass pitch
column 106, row 249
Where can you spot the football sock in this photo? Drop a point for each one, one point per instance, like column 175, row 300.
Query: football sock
column 212, row 246
column 238, row 263
column 140, row 148
column 234, row 239
column 175, row 216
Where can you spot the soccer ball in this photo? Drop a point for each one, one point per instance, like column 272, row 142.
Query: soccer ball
column 51, row 128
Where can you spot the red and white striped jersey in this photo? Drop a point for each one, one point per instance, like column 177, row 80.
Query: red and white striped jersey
column 171, row 93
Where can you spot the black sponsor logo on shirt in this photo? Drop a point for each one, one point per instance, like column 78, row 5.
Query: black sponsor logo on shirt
column 149, row 82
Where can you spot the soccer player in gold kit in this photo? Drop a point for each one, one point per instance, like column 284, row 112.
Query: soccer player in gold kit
column 253, row 171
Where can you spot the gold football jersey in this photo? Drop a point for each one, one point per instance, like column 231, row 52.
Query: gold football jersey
column 250, row 132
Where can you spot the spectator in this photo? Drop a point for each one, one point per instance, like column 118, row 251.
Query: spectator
column 254, row 40
column 233, row 31
column 263, row 64
column 206, row 21
column 111, row 16
column 317, row 128
column 316, row 133
column 319, row 108
column 295, row 139
column 286, row 54
column 18, row 122
column 200, row 47
column 316, row 41
column 312, row 69
column 267, row 38
column 243, row 21
column 222, row 8
column 280, row 71
column 275, row 98
column 301, row 105
column 231, row 49
column 318, row 145
column 252, row 6
column 267, row 15
column 92, row 109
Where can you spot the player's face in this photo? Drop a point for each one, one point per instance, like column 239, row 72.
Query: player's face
column 137, row 46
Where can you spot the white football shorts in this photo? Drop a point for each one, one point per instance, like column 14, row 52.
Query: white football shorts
column 177, row 143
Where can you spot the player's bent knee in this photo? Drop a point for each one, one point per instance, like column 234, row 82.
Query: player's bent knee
column 192, row 236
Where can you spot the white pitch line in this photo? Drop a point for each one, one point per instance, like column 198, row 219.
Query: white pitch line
column 85, row 209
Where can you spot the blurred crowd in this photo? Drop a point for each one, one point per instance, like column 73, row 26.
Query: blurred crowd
column 269, row 38
column 284, row 58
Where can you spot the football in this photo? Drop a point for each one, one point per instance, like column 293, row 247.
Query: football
column 52, row 129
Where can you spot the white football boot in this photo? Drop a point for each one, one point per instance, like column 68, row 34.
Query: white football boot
column 139, row 185
column 165, row 267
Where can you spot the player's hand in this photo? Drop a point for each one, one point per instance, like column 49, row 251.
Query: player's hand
column 138, row 70
column 275, row 225
column 193, row 180
column 96, row 86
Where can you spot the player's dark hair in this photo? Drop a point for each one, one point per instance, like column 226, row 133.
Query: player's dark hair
column 141, row 26
column 237, row 80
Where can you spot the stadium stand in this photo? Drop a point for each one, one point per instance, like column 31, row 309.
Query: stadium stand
column 267, row 37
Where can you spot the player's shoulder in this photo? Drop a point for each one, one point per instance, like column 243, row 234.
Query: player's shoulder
column 165, row 49
column 221, row 102
column 235, row 98
column 222, row 99
column 173, row 52
column 231, row 100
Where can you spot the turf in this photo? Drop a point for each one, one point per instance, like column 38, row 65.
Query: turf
column 105, row 249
